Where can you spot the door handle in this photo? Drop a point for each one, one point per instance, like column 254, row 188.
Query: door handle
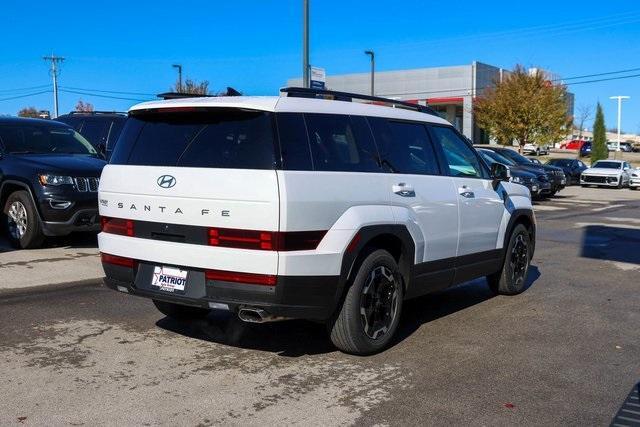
column 466, row 192
column 404, row 190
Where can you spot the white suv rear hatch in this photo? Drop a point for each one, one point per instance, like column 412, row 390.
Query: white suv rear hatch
column 201, row 168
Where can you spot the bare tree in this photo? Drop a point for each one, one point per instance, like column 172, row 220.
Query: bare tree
column 84, row 107
column 584, row 113
column 192, row 87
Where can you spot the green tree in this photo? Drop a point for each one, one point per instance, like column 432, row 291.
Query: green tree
column 29, row 112
column 599, row 148
column 524, row 107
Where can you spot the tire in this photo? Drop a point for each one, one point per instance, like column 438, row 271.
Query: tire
column 22, row 222
column 370, row 312
column 179, row 311
column 538, row 152
column 552, row 193
column 508, row 281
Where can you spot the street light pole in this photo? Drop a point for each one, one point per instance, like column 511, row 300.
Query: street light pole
column 305, row 43
column 179, row 67
column 373, row 69
column 619, row 98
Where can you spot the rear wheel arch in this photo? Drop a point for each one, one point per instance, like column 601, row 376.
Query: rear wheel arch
column 394, row 238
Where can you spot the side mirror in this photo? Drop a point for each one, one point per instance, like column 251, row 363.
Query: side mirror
column 500, row 172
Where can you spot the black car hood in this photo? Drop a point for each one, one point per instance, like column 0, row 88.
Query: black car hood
column 63, row 164
column 522, row 172
column 538, row 169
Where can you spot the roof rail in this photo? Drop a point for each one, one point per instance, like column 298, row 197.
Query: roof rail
column 303, row 92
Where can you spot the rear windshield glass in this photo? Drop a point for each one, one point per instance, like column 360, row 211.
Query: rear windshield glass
column 210, row 139
column 27, row 139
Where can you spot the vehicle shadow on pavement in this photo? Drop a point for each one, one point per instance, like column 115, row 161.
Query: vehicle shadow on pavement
column 611, row 243
column 295, row 338
column 75, row 240
column 288, row 338
column 435, row 306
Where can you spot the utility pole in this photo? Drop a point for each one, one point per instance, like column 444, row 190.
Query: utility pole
column 373, row 69
column 619, row 98
column 179, row 67
column 305, row 43
column 54, row 74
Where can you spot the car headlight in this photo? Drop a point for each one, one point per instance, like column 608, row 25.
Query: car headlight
column 517, row 179
column 46, row 179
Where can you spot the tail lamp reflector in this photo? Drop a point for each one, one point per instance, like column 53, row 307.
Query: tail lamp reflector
column 117, row 260
column 237, row 277
column 123, row 227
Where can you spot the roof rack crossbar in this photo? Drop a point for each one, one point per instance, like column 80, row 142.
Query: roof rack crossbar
column 303, row 92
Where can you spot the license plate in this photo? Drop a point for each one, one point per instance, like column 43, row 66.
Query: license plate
column 169, row 279
column 564, row 181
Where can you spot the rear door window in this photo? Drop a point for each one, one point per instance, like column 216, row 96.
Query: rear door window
column 214, row 139
column 405, row 147
column 341, row 143
column 294, row 144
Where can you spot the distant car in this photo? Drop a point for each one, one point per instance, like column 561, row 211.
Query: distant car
column 585, row 150
column 49, row 177
column 574, row 144
column 100, row 128
column 554, row 175
column 634, row 178
column 607, row 173
column 535, row 149
column 572, row 169
column 518, row 175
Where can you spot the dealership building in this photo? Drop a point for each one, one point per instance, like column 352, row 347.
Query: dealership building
column 450, row 91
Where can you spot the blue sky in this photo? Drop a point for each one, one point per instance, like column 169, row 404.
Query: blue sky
column 255, row 45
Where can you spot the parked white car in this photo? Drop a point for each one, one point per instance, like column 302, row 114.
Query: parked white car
column 608, row 173
column 634, row 179
column 535, row 149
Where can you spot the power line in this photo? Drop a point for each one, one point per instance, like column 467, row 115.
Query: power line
column 596, row 75
column 102, row 96
column 107, row 91
column 25, row 96
column 566, row 84
column 22, row 89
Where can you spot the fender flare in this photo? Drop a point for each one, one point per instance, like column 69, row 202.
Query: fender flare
column 516, row 215
column 365, row 235
column 24, row 186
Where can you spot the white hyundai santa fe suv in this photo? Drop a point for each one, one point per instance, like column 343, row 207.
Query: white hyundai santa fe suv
column 298, row 207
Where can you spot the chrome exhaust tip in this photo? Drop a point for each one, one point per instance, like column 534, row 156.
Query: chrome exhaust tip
column 256, row 315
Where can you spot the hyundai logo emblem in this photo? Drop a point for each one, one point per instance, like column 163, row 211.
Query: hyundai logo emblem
column 166, row 181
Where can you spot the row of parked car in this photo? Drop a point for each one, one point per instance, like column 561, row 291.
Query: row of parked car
column 50, row 172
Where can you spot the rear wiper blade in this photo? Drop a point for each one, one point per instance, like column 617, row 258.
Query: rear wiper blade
column 23, row 152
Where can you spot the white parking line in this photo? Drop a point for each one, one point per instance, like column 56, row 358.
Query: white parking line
column 604, row 208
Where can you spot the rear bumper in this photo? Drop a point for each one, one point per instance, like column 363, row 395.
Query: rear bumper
column 302, row 297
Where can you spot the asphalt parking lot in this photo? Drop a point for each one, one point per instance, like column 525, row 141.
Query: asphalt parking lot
column 564, row 352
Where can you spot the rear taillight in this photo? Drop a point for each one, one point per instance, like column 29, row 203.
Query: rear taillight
column 248, row 278
column 123, row 227
column 118, row 260
column 265, row 240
